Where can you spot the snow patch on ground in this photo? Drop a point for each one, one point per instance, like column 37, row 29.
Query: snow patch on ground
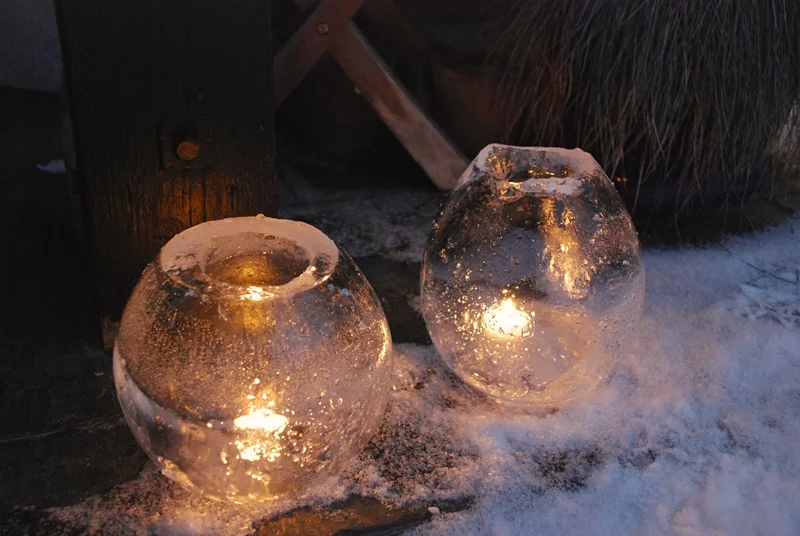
column 54, row 167
column 774, row 294
column 695, row 433
column 391, row 223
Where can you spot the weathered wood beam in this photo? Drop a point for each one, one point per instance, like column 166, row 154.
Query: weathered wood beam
column 421, row 137
column 308, row 44
column 172, row 114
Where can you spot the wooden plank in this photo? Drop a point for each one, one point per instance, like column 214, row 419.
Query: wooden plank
column 132, row 67
column 421, row 137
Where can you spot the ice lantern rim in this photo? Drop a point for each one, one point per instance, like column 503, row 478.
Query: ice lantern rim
column 500, row 161
column 184, row 258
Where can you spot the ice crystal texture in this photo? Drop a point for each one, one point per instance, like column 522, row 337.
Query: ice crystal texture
column 253, row 359
column 532, row 276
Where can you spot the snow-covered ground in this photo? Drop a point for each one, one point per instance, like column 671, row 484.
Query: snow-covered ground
column 697, row 432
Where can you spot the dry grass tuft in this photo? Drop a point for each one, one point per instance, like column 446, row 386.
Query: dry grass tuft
column 678, row 93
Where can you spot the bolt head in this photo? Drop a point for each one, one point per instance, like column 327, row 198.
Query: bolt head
column 187, row 150
column 323, row 29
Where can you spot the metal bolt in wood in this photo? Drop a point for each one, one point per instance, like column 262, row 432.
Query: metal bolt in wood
column 187, row 150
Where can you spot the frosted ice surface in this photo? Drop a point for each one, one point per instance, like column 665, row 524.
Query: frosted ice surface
column 578, row 162
column 195, row 247
column 532, row 276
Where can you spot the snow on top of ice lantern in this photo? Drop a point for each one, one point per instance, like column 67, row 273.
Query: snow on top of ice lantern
column 532, row 170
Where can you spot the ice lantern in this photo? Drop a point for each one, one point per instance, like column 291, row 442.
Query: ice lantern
column 532, row 276
column 253, row 359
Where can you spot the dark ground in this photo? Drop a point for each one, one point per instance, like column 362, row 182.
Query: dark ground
column 62, row 436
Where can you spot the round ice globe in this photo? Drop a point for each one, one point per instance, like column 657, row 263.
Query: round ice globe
column 253, row 359
column 532, row 278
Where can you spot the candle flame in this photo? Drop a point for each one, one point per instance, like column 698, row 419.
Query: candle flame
column 262, row 419
column 506, row 321
column 255, row 293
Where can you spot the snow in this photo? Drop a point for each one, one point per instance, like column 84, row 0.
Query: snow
column 389, row 223
column 54, row 167
column 696, row 431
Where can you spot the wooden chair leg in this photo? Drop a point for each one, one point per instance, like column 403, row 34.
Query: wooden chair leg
column 418, row 133
column 329, row 28
column 309, row 43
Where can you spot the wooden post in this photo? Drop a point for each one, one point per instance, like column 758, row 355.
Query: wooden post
column 171, row 109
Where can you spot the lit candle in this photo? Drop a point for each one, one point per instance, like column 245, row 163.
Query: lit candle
column 262, row 419
column 506, row 321
column 261, row 422
column 212, row 352
column 532, row 229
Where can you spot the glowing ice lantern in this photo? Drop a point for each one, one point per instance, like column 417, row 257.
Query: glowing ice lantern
column 533, row 275
column 253, row 359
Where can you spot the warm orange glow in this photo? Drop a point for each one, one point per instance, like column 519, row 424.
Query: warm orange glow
column 506, row 321
column 255, row 293
column 260, row 419
column 566, row 263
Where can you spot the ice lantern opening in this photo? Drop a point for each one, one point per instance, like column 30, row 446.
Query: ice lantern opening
column 533, row 276
column 253, row 359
